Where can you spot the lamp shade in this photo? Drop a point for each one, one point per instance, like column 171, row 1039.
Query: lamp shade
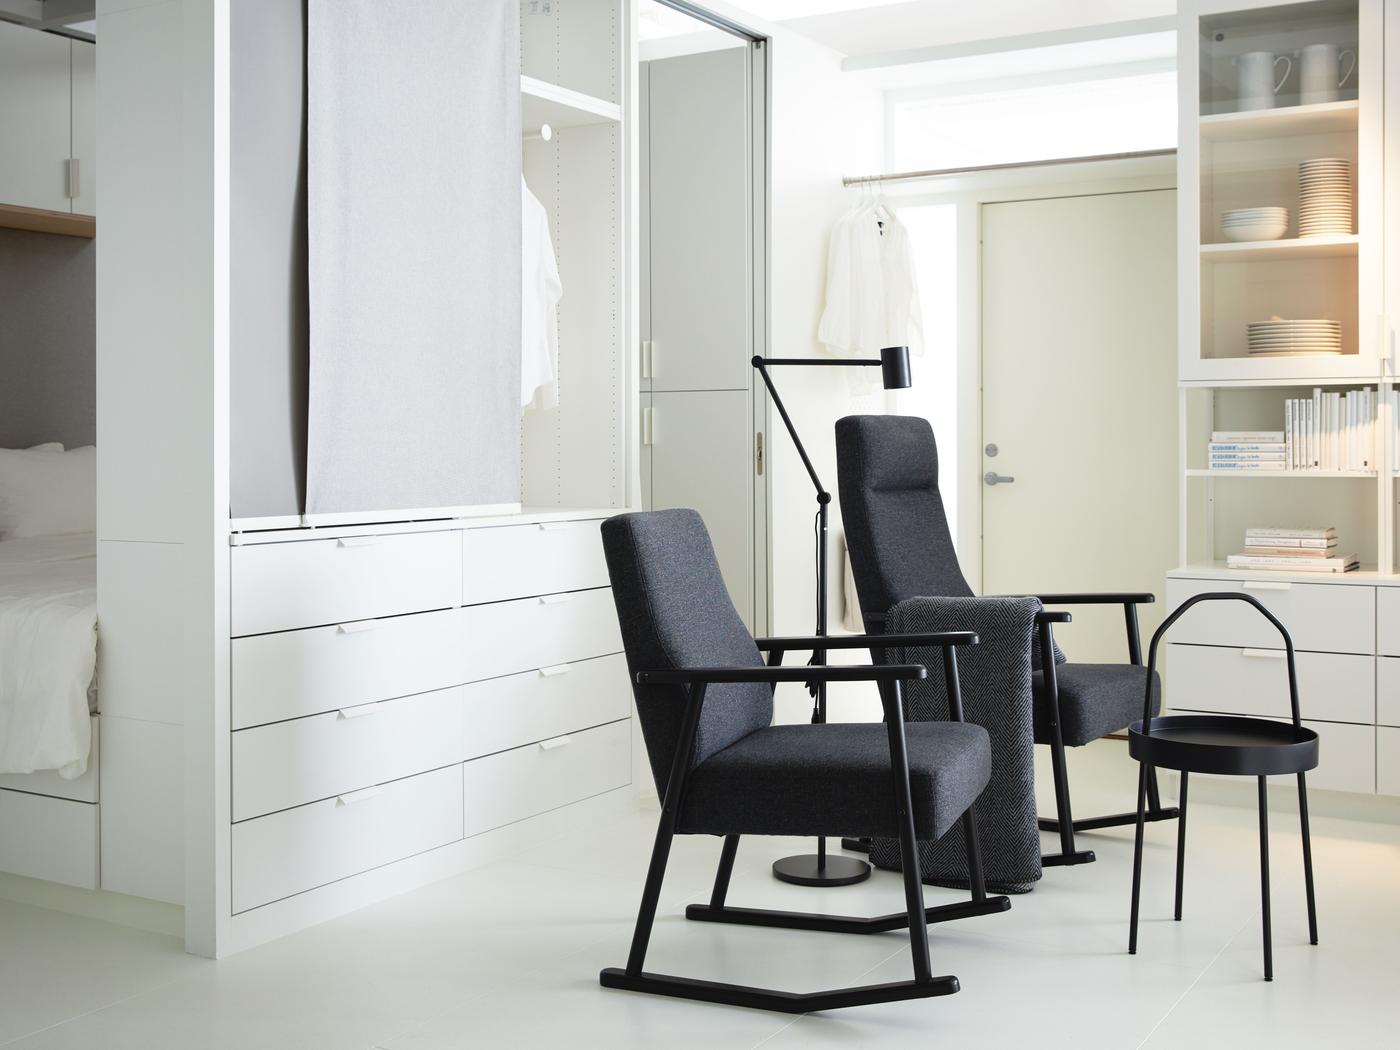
column 894, row 366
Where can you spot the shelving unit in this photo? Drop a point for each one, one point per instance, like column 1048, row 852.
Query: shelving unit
column 1338, row 246
column 544, row 103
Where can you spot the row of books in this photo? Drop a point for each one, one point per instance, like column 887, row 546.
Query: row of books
column 1296, row 550
column 1328, row 431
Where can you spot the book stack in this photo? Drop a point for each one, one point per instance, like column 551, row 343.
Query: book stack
column 1292, row 550
column 1247, row 450
column 1330, row 431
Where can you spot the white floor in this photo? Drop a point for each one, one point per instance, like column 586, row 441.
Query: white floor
column 507, row 956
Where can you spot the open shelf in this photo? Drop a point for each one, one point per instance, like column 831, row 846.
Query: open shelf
column 1206, row 472
column 1336, row 246
column 40, row 220
column 544, row 103
column 1218, row 570
column 1317, row 119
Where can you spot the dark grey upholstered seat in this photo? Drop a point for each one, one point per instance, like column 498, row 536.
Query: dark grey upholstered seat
column 750, row 777
column 1095, row 700
column 834, row 779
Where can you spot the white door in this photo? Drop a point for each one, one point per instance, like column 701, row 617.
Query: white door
column 85, row 127
column 34, row 118
column 1079, row 404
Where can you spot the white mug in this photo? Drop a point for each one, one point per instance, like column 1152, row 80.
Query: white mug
column 1318, row 73
column 1255, row 70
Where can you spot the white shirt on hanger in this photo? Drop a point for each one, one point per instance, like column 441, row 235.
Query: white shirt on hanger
column 540, row 291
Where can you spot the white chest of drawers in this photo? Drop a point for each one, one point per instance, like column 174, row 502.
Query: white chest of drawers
column 1225, row 658
column 396, row 693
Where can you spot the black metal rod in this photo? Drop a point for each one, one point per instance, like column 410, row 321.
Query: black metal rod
column 1264, row 876
column 908, row 838
column 762, row 366
column 1115, row 820
column 1307, row 857
column 1137, row 860
column 858, row 924
column 821, row 362
column 726, row 869
column 1181, row 844
column 1130, row 619
column 1051, row 686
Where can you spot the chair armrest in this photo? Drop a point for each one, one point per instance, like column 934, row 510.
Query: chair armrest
column 1103, row 598
column 867, row 641
column 773, row 675
column 1053, row 616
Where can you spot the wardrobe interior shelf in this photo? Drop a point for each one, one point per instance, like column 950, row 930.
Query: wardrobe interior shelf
column 41, row 220
column 1218, row 570
column 1205, row 472
column 544, row 103
column 1317, row 119
column 1338, row 246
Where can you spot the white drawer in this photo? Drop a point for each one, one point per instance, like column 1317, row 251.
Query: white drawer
column 299, row 849
column 282, row 586
column 520, row 561
column 514, row 785
column 1346, row 758
column 1388, row 621
column 296, row 673
column 1388, row 761
column 291, row 763
column 1329, row 618
column 1387, row 691
column 1336, row 687
column 53, row 839
column 508, row 637
column 525, row 708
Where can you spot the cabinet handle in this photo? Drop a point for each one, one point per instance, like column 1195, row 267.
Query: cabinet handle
column 1266, row 585
column 554, row 599
column 351, row 797
column 356, row 541
column 72, row 189
column 1264, row 654
column 648, row 426
column 557, row 742
column 358, row 627
column 556, row 526
column 557, row 669
column 646, row 358
column 358, row 712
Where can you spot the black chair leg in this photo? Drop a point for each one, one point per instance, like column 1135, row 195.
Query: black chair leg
column 1180, row 844
column 726, row 869
column 1137, row 860
column 1264, row 876
column 651, row 894
column 1064, row 824
column 1155, row 812
column 1307, row 857
column 973, row 847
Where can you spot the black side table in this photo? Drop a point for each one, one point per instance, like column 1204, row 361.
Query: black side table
column 1232, row 746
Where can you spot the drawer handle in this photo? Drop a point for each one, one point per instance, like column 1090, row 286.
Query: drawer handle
column 358, row 712
column 358, row 627
column 356, row 541
column 1266, row 585
column 557, row 742
column 554, row 599
column 557, row 669
column 1265, row 654
column 555, row 526
column 351, row 797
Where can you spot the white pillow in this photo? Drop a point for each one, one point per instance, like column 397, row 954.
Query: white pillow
column 47, row 493
column 47, row 446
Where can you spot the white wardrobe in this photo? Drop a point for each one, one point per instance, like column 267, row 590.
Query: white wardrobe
column 344, row 706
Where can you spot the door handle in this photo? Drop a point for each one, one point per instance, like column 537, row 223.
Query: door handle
column 993, row 478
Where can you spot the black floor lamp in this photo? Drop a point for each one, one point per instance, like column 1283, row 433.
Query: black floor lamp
column 818, row 869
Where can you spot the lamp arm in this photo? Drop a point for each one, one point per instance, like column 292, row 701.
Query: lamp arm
column 761, row 365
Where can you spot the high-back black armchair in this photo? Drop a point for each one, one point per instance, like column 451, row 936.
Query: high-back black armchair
column 900, row 547
column 705, row 699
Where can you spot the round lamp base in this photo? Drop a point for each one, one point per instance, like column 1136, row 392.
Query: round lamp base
column 837, row 870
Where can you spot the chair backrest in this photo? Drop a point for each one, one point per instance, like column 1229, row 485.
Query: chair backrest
column 675, row 613
column 896, row 528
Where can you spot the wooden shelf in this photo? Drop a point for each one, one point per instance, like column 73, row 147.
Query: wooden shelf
column 1337, row 246
column 39, row 220
column 544, row 103
column 1206, row 472
column 1278, row 123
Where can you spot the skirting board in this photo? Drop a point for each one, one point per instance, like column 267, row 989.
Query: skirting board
column 1283, row 797
column 252, row 928
column 117, row 908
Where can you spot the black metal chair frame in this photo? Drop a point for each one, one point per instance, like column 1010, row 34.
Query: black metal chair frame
column 1297, row 755
column 1063, row 822
column 889, row 678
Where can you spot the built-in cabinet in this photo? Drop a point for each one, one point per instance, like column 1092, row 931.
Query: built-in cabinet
column 1241, row 153
column 47, row 121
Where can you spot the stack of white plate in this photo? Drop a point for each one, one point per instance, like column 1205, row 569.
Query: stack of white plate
column 1254, row 224
column 1324, row 197
column 1279, row 338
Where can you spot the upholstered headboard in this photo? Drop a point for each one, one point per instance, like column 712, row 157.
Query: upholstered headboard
column 48, row 339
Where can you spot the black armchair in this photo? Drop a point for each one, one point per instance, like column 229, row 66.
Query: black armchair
column 705, row 700
column 900, row 547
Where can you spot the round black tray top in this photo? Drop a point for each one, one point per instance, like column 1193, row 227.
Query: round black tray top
column 1225, row 744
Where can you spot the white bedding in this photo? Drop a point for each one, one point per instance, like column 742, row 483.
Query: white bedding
column 48, row 652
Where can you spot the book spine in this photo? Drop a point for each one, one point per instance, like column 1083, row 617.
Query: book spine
column 1288, row 433
column 1227, row 446
column 1301, row 534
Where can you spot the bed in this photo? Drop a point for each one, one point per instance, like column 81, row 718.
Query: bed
column 48, row 653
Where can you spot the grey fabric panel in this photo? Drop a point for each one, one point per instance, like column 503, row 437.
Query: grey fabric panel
column 675, row 612
column 414, row 253
column 267, row 258
column 896, row 527
column 995, row 679
column 835, row 780
column 1095, row 700
column 48, row 339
